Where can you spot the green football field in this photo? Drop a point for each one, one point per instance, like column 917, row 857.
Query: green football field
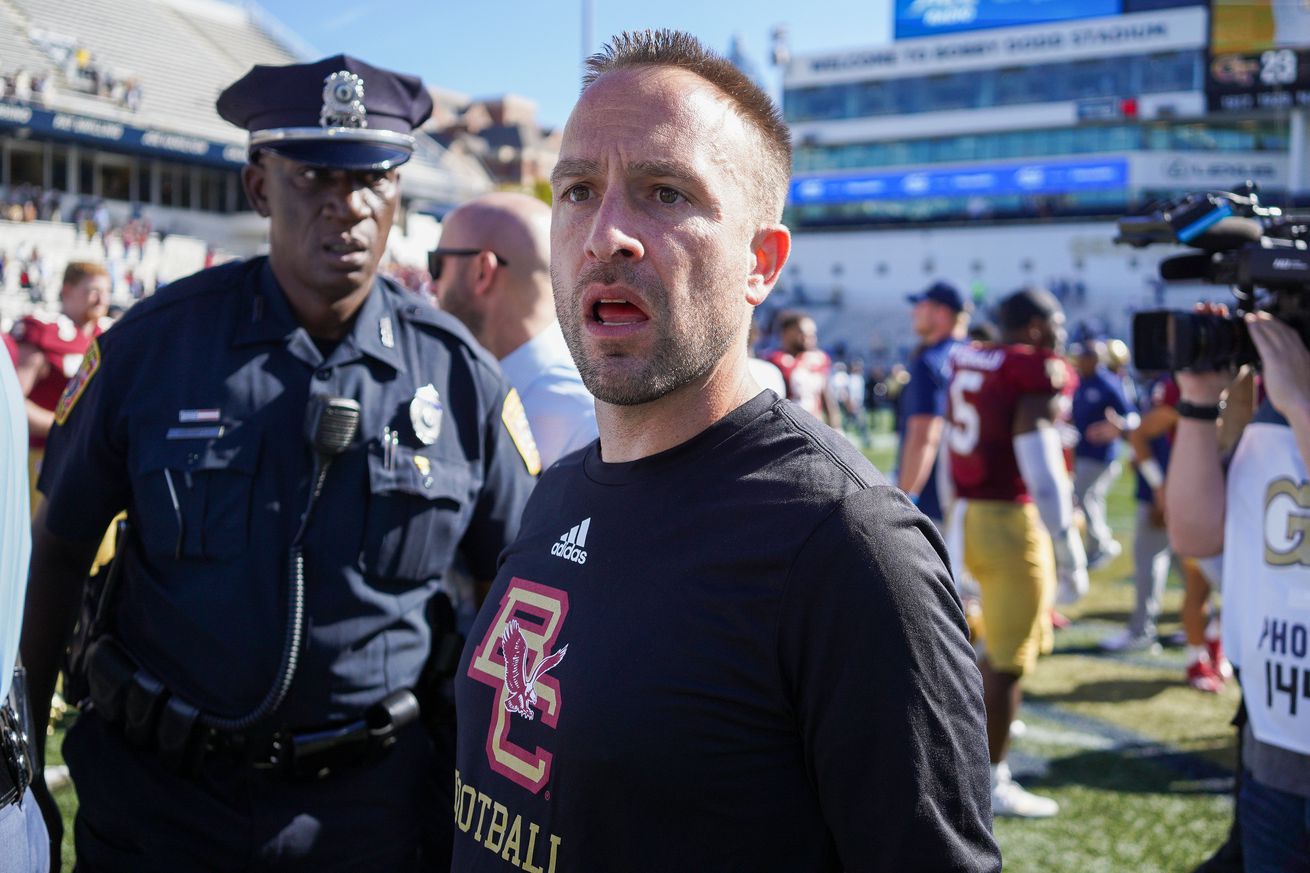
column 1140, row 763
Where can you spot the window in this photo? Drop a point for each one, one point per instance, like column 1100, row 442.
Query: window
column 1126, row 76
column 26, row 166
column 115, row 180
column 1016, row 85
column 144, row 190
column 1172, row 71
column 1018, row 144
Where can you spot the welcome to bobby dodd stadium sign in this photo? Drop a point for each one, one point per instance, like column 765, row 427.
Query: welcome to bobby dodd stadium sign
column 1050, row 177
column 118, row 136
column 1141, row 33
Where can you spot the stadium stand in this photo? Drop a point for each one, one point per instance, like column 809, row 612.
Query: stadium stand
column 209, row 45
column 99, row 138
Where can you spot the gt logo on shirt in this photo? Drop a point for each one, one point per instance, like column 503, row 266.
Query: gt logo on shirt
column 513, row 659
column 1287, row 523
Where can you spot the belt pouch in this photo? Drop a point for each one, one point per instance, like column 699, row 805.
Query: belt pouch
column 180, row 736
column 386, row 717
column 318, row 754
column 109, row 673
column 145, row 698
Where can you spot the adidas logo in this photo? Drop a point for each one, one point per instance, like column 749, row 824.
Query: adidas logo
column 572, row 545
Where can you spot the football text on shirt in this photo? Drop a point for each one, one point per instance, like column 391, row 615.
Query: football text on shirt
column 502, row 835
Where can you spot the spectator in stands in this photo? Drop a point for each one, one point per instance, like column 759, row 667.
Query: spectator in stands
column 102, row 219
column 411, row 278
column 48, row 206
column 32, row 275
column 492, row 272
column 23, row 86
column 1102, row 415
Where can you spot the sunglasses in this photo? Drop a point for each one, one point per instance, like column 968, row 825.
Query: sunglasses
column 436, row 256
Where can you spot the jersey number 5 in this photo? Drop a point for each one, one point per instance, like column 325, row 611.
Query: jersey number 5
column 965, row 421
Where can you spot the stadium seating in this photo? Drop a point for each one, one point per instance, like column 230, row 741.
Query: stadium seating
column 210, row 44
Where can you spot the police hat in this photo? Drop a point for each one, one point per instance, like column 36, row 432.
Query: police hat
column 338, row 112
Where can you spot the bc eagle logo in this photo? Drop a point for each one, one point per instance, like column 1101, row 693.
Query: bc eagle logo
column 519, row 682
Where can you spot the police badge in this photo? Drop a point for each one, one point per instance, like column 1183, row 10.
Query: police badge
column 425, row 412
column 343, row 101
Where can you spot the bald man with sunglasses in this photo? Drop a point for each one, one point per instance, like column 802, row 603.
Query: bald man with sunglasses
column 492, row 272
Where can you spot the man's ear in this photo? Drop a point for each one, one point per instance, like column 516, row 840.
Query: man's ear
column 487, row 265
column 254, row 178
column 770, row 249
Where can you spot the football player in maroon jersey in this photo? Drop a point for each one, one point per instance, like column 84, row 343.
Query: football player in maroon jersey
column 1008, row 467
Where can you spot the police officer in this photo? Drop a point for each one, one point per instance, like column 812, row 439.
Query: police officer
column 301, row 447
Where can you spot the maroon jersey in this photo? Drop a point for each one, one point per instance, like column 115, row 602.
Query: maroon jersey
column 987, row 382
column 63, row 347
column 806, row 376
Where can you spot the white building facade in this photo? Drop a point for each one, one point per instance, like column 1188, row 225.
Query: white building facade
column 1000, row 155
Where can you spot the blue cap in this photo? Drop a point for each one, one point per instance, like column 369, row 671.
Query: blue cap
column 338, row 112
column 940, row 292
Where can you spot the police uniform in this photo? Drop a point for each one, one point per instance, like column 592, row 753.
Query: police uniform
column 197, row 414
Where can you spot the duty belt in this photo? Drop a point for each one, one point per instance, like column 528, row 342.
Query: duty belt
column 16, row 763
column 151, row 717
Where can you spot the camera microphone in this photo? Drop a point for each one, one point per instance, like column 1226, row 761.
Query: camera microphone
column 1228, row 233
column 1184, row 268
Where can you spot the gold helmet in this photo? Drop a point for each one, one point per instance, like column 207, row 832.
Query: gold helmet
column 1116, row 354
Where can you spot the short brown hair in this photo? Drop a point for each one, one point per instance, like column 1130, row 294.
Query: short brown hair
column 76, row 271
column 673, row 48
column 792, row 318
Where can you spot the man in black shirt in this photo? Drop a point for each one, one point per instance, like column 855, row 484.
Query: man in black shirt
column 722, row 641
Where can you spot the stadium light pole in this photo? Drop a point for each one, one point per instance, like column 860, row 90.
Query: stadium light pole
column 1296, row 151
column 588, row 14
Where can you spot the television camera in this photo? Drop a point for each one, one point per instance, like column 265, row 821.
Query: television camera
column 1257, row 250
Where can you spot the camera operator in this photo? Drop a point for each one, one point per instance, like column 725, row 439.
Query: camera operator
column 1262, row 528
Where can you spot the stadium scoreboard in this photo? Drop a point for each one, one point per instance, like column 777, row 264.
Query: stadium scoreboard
column 1259, row 55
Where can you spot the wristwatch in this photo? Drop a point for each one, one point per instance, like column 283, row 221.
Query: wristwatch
column 1203, row 412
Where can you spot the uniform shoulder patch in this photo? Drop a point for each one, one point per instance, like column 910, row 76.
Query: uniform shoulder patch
column 77, row 384
column 515, row 418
